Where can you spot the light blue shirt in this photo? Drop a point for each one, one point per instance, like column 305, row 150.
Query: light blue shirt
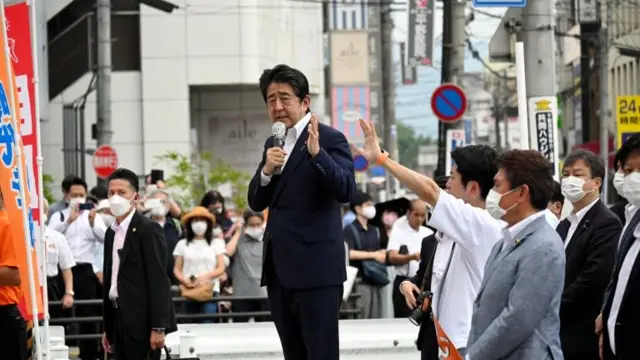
column 348, row 219
column 98, row 260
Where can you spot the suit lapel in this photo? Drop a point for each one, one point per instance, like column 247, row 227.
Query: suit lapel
column 563, row 229
column 583, row 226
column 627, row 240
column 298, row 153
column 129, row 239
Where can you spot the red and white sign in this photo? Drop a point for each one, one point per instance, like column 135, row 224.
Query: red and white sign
column 19, row 38
column 105, row 161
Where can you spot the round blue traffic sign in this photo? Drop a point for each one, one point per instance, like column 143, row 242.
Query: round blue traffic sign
column 360, row 163
column 449, row 103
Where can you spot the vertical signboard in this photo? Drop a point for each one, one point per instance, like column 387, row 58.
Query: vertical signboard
column 587, row 11
column 349, row 58
column 408, row 73
column 420, row 32
column 543, row 115
column 375, row 63
column 577, row 103
column 627, row 117
column 455, row 139
column 468, row 131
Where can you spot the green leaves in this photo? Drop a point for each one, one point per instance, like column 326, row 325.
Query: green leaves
column 47, row 182
column 192, row 176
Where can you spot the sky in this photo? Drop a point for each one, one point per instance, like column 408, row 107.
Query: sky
column 413, row 101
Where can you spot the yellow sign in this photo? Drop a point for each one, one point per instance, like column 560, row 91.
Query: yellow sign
column 627, row 117
column 543, row 105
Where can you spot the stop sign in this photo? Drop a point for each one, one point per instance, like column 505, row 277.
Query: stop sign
column 105, row 161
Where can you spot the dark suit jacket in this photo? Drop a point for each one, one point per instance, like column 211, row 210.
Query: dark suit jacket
column 619, row 209
column 628, row 319
column 304, row 228
column 589, row 260
column 144, row 294
column 426, row 341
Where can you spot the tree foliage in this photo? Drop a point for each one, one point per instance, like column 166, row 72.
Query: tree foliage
column 409, row 145
column 190, row 179
column 47, row 182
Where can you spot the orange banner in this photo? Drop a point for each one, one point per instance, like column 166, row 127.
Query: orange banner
column 447, row 350
column 10, row 181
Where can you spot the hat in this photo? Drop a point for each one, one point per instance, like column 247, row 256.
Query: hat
column 198, row 211
column 103, row 204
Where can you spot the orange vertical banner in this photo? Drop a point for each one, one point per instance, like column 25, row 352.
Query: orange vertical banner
column 11, row 183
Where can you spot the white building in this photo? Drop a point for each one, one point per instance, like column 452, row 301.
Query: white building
column 197, row 68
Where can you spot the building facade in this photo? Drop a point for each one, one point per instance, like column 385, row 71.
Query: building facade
column 183, row 81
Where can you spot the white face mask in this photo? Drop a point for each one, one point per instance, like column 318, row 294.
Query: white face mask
column 74, row 202
column 107, row 219
column 160, row 211
column 572, row 188
column 618, row 182
column 119, row 205
column 255, row 232
column 369, row 212
column 493, row 204
column 199, row 227
column 217, row 232
column 631, row 188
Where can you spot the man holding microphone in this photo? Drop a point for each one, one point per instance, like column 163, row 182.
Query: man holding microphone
column 305, row 174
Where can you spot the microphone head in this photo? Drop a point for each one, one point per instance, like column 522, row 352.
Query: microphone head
column 279, row 130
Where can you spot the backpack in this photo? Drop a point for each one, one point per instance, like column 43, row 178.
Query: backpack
column 373, row 272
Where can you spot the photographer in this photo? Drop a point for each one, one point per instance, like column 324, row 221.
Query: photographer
column 452, row 260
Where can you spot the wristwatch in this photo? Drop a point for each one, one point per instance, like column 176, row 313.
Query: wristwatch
column 70, row 292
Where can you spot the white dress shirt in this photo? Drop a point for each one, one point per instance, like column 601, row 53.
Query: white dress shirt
column 509, row 233
column 629, row 212
column 575, row 219
column 82, row 238
column 403, row 234
column 621, row 284
column 58, row 252
column 475, row 233
column 118, row 242
column 289, row 142
column 552, row 219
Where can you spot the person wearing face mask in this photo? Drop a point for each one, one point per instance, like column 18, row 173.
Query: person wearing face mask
column 214, row 202
column 84, row 232
column 158, row 204
column 622, row 207
column 246, row 247
column 618, row 326
column 64, row 202
column 367, row 254
column 138, row 309
column 199, row 262
column 554, row 209
column 590, row 234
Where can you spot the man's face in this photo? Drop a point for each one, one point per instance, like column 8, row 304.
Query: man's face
column 457, row 189
column 121, row 187
column 417, row 216
column 556, row 208
column 581, row 170
column 633, row 163
column 284, row 105
column 77, row 191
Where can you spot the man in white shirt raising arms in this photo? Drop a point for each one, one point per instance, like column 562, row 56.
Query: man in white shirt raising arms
column 466, row 234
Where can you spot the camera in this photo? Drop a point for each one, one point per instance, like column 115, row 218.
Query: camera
column 417, row 315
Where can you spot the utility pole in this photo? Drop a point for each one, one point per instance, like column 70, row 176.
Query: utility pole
column 504, row 107
column 453, row 43
column 607, row 8
column 103, row 89
column 540, row 64
column 388, row 87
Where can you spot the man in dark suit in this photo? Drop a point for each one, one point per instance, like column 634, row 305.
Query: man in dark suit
column 138, row 310
column 590, row 234
column 304, row 250
column 619, row 328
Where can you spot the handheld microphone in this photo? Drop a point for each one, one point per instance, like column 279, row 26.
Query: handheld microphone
column 279, row 131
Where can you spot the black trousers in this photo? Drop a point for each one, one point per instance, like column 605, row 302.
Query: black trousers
column 13, row 334
column 84, row 287
column 250, row 306
column 400, row 308
column 127, row 347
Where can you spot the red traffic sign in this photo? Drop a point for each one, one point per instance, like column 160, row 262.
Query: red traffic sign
column 448, row 103
column 105, row 161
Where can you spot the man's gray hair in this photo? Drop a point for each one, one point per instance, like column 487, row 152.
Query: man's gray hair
column 160, row 191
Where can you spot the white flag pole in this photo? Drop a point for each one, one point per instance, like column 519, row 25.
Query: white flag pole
column 22, row 178
column 36, row 98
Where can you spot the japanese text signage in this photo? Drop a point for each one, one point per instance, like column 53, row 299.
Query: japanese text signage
column 627, row 117
column 420, row 37
column 543, row 112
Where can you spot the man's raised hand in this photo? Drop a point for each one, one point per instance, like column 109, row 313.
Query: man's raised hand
column 313, row 142
column 371, row 149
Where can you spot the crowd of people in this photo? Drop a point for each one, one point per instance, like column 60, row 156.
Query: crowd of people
column 212, row 250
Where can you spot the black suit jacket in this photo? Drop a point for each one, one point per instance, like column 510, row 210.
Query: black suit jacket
column 426, row 341
column 589, row 261
column 303, row 239
column 144, row 294
column 619, row 209
column 628, row 319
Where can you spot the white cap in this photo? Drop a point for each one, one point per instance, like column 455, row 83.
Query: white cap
column 103, row 204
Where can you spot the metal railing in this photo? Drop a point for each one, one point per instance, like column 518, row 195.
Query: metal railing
column 348, row 311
